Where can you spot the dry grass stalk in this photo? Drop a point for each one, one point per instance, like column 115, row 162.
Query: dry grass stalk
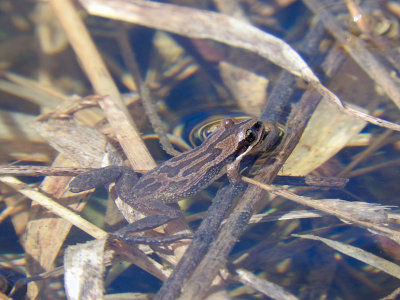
column 374, row 222
column 54, row 207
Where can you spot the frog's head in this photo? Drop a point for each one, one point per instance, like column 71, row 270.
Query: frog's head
column 251, row 134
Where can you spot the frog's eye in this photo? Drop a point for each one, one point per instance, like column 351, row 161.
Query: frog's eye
column 250, row 135
column 257, row 125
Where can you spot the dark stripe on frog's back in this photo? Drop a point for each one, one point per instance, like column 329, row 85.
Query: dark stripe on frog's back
column 191, row 171
column 170, row 189
column 214, row 151
column 204, row 160
column 179, row 189
column 165, row 183
column 208, row 178
column 147, row 181
column 184, row 167
column 207, row 152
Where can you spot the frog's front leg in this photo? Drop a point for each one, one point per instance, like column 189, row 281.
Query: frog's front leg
column 232, row 171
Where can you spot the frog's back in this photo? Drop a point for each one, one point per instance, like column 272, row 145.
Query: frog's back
column 180, row 177
column 191, row 171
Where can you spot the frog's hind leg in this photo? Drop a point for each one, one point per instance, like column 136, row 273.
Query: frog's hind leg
column 158, row 214
column 163, row 214
column 152, row 240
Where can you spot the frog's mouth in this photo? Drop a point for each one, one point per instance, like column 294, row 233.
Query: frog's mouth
column 241, row 149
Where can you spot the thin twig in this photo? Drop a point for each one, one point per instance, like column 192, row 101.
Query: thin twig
column 392, row 234
column 204, row 235
column 54, row 207
column 376, row 143
column 373, row 168
column 144, row 91
column 264, row 286
column 101, row 80
column 41, row 171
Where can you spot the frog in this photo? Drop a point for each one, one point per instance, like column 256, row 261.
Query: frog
column 184, row 175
